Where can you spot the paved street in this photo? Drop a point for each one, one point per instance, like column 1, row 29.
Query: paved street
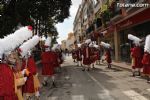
column 98, row 84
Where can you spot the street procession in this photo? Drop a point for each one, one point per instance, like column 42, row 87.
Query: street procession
column 74, row 49
column 19, row 72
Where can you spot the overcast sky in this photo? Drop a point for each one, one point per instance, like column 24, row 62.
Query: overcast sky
column 67, row 26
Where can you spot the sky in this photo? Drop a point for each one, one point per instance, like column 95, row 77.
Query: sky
column 67, row 26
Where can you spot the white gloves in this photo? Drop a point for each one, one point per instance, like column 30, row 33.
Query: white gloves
column 23, row 72
column 25, row 79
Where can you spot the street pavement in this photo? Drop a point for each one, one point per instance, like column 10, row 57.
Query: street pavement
column 100, row 83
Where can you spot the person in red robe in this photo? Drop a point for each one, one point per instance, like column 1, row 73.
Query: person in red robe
column 78, row 53
column 32, row 84
column 86, row 55
column 74, row 56
column 146, row 59
column 97, row 56
column 7, row 83
column 136, row 55
column 108, row 57
column 47, row 63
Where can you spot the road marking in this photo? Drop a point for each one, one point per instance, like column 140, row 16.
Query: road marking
column 53, row 98
column 77, row 97
column 106, row 92
column 134, row 95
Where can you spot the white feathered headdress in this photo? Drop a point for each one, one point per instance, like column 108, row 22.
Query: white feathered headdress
column 88, row 41
column 96, row 46
column 135, row 39
column 147, row 44
column 91, row 45
column 43, row 38
column 55, row 46
column 79, row 45
column 1, row 48
column 11, row 41
column 106, row 45
column 48, row 41
column 28, row 45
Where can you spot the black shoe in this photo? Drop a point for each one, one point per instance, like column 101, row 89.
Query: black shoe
column 54, row 85
column 88, row 69
column 83, row 69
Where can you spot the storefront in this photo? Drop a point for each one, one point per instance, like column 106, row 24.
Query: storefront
column 138, row 25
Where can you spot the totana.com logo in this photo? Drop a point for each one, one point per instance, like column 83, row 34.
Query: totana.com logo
column 126, row 5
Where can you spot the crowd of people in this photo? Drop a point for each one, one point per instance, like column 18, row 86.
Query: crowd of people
column 18, row 70
column 140, row 58
column 88, row 54
column 19, row 73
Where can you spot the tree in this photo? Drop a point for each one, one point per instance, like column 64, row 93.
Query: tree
column 41, row 14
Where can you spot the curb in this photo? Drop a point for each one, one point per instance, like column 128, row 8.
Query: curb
column 127, row 69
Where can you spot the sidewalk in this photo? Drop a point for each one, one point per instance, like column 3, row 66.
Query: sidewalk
column 123, row 65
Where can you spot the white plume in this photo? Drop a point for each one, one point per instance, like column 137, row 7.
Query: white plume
column 106, row 45
column 88, row 41
column 135, row 39
column 79, row 45
column 12, row 41
column 55, row 46
column 1, row 48
column 48, row 41
column 91, row 45
column 96, row 46
column 28, row 45
column 147, row 44
column 43, row 38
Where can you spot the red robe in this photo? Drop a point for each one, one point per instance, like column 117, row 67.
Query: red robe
column 93, row 56
column 48, row 68
column 55, row 59
column 60, row 57
column 146, row 63
column 74, row 56
column 97, row 55
column 108, row 56
column 7, row 86
column 136, row 53
column 86, row 55
column 79, row 54
column 29, row 85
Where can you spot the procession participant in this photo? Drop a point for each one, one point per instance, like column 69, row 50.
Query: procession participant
column 74, row 56
column 92, row 55
column 46, row 57
column 79, row 55
column 146, row 59
column 16, row 63
column 136, row 54
column 9, row 74
column 55, row 62
column 86, row 55
column 97, row 54
column 32, row 84
column 60, row 55
column 107, row 53
column 7, row 87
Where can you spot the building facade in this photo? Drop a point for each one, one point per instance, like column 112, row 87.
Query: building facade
column 112, row 24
